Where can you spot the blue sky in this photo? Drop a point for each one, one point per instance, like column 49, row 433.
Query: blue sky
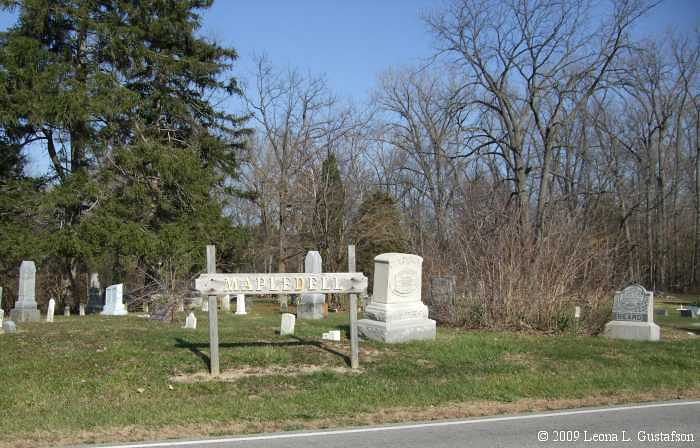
column 351, row 42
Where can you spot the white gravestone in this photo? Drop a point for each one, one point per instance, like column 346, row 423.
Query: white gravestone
column 240, row 304
column 9, row 327
column 287, row 324
column 81, row 309
column 191, row 321
column 25, row 309
column 633, row 316
column 205, row 304
column 311, row 304
column 66, row 310
column 333, row 335
column 51, row 310
column 113, row 301
column 226, row 303
column 396, row 313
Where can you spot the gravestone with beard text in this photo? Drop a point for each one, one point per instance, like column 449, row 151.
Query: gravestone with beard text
column 633, row 316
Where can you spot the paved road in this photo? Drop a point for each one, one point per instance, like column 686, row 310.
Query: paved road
column 623, row 426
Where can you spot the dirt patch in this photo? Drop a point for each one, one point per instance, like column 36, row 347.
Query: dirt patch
column 251, row 372
column 393, row 415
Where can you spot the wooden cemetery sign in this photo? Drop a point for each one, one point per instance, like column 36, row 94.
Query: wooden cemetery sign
column 213, row 284
column 259, row 284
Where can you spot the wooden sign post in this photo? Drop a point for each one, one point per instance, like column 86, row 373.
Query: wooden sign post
column 213, row 284
column 354, row 346
column 213, row 317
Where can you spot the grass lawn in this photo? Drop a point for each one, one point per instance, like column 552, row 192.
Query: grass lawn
column 95, row 378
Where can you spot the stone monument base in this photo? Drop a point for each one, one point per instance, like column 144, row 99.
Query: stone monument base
column 311, row 306
column 398, row 331
column 25, row 315
column 634, row 331
column 120, row 311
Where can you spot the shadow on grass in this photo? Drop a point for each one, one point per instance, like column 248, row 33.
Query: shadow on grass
column 195, row 347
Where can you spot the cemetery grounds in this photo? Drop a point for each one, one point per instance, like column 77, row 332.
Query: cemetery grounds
column 101, row 379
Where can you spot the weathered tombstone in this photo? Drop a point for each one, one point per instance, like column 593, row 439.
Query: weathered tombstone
column 240, row 304
column 81, row 309
column 181, row 305
column 633, row 316
column 191, row 321
column 25, row 309
column 311, row 304
column 9, row 327
column 226, row 302
column 114, row 305
column 287, row 324
column 161, row 312
column 660, row 312
column 66, row 310
column 51, row 310
column 96, row 301
column 441, row 297
column 396, row 313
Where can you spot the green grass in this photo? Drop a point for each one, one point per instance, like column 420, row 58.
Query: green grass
column 674, row 319
column 83, row 374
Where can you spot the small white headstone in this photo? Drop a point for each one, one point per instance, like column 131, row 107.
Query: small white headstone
column 240, row 304
column 51, row 310
column 287, row 325
column 205, row 304
column 114, row 305
column 191, row 321
column 577, row 312
column 226, row 303
column 9, row 327
column 66, row 310
column 333, row 335
column 81, row 309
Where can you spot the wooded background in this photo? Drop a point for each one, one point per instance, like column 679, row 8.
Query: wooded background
column 542, row 156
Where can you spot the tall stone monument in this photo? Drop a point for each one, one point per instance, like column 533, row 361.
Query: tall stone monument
column 311, row 304
column 95, row 299
column 114, row 306
column 396, row 313
column 633, row 316
column 25, row 309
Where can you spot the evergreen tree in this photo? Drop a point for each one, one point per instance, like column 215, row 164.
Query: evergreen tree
column 377, row 229
column 120, row 96
column 329, row 219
